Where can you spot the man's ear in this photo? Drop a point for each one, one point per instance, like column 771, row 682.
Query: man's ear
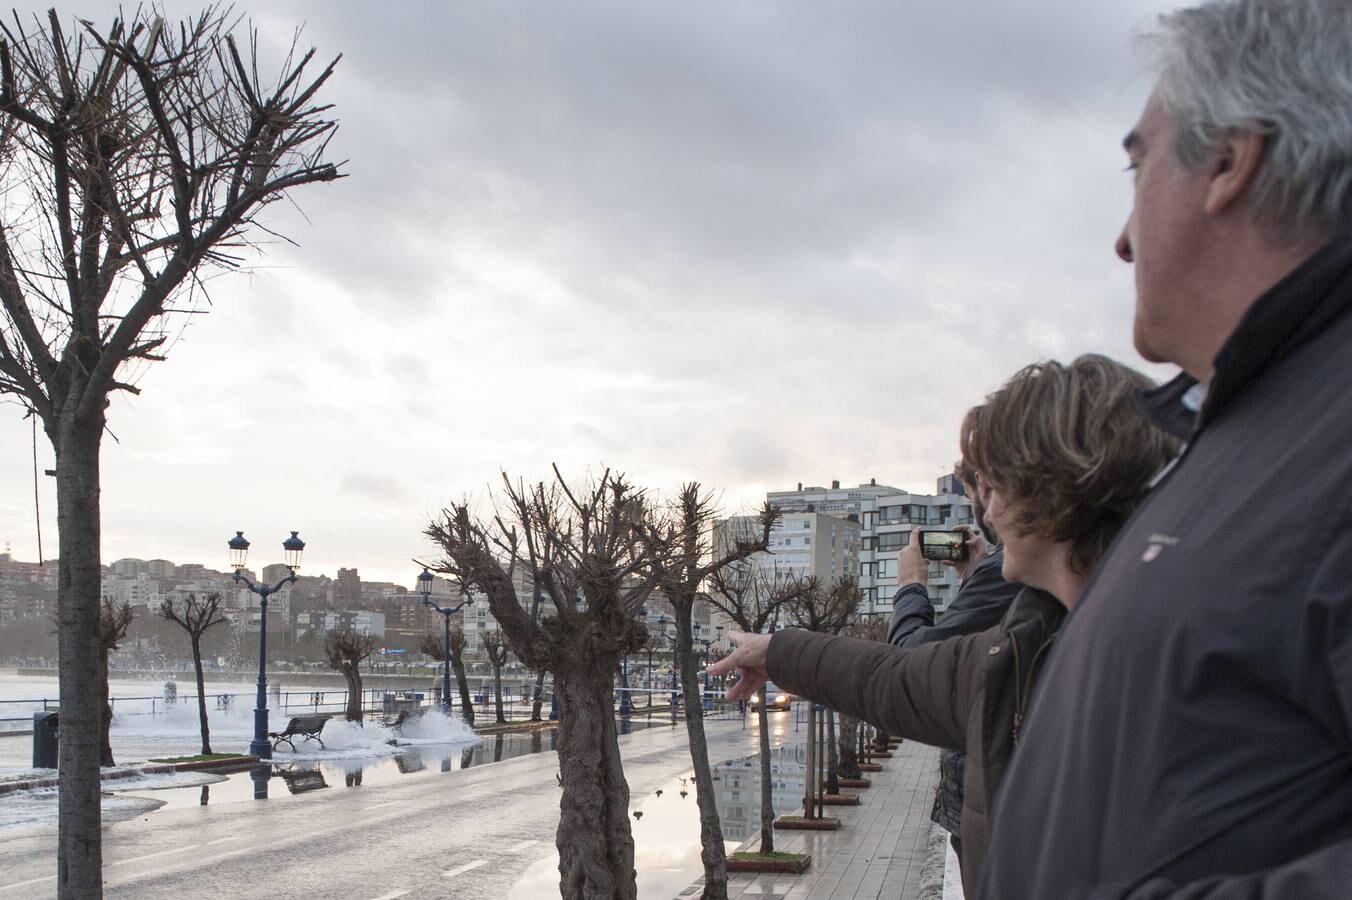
column 1233, row 170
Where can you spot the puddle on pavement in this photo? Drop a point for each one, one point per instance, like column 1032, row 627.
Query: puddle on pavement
column 666, row 837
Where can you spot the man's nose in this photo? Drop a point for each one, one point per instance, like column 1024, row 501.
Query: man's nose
column 1123, row 246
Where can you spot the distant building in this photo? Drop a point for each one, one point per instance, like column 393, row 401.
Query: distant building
column 347, row 588
column 886, row 516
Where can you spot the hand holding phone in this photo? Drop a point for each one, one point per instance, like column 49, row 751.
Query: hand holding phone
column 944, row 545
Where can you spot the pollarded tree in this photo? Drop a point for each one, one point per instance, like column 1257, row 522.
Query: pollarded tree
column 828, row 609
column 346, row 649
column 432, row 646
column 114, row 620
column 133, row 162
column 498, row 654
column 195, row 616
column 865, row 628
column 751, row 598
column 584, row 546
column 684, row 560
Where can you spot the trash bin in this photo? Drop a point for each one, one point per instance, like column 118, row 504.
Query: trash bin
column 44, row 739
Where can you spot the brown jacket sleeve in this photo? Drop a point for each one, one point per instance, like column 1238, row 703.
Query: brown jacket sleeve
column 925, row 693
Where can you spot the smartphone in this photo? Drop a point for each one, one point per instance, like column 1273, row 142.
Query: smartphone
column 943, row 545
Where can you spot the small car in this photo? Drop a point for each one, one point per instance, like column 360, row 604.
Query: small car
column 778, row 699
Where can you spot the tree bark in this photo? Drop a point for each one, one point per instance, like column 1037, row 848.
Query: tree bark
column 105, row 713
column 767, row 782
column 712, row 851
column 848, row 743
column 810, row 776
column 352, row 675
column 201, row 694
column 832, row 760
column 595, row 843
column 466, row 701
column 497, row 693
column 539, row 698
column 80, row 862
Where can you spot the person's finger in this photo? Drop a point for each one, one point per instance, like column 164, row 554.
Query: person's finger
column 724, row 665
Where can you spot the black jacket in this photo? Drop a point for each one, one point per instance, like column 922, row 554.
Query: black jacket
column 981, row 603
column 1192, row 735
column 968, row 692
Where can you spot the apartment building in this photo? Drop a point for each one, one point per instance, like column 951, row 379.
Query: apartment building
column 886, row 515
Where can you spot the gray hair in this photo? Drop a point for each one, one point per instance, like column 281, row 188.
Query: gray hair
column 1279, row 68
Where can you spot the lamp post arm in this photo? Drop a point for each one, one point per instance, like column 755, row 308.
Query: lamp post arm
column 263, row 590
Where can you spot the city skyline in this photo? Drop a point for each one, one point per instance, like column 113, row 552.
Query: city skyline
column 744, row 246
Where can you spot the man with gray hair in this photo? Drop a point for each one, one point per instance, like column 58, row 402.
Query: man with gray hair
column 1192, row 736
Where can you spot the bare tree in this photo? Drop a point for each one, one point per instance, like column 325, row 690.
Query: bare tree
column 684, row 560
column 865, row 628
column 133, row 161
column 828, row 609
column 583, row 545
column 751, row 597
column 498, row 653
column 196, row 616
column 345, row 650
column 432, row 646
column 114, row 620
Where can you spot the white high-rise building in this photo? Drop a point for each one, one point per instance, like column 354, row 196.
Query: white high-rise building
column 886, row 516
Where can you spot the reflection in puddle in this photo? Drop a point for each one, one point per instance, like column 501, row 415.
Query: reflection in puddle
column 666, row 837
column 737, row 790
column 302, row 776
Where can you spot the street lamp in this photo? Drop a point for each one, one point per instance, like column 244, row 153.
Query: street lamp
column 425, row 588
column 292, row 548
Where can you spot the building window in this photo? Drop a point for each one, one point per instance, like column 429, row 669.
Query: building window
column 807, row 542
column 807, row 525
column 893, row 540
column 887, row 568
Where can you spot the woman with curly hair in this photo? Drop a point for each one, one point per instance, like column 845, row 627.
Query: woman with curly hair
column 1060, row 459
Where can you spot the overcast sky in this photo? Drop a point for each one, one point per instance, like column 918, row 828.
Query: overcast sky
column 748, row 244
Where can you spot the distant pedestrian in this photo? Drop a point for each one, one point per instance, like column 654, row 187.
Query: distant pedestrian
column 1193, row 733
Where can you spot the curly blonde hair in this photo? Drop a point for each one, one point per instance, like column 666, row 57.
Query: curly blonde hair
column 1067, row 448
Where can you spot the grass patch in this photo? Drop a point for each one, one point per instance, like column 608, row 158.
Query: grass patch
column 200, row 757
column 777, row 856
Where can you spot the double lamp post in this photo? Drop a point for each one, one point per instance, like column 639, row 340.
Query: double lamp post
column 239, row 552
column 425, row 588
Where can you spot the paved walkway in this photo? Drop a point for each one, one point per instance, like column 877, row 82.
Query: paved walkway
column 879, row 850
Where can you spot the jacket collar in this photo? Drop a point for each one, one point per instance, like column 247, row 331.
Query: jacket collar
column 1288, row 315
column 1295, row 310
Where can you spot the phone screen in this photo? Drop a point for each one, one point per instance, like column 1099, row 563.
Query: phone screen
column 943, row 545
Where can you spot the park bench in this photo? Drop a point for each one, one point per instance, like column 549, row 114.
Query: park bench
column 307, row 727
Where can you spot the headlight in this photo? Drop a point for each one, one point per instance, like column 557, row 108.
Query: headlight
column 782, row 698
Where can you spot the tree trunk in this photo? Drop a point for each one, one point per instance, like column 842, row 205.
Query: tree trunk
column 832, row 760
column 201, row 694
column 352, row 675
column 79, row 848
column 497, row 693
column 712, row 851
column 466, row 702
column 595, row 843
column 105, row 714
column 810, row 775
column 539, row 698
column 767, row 782
column 847, row 765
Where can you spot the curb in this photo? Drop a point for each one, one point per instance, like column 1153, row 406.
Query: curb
column 33, row 784
column 932, row 869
